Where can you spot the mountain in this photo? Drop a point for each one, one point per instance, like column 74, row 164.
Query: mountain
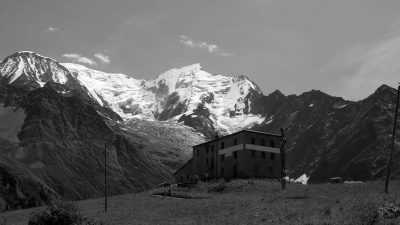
column 30, row 69
column 329, row 136
column 54, row 133
column 188, row 94
column 56, row 119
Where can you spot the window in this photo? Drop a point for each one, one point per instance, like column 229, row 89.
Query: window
column 253, row 153
column 222, row 145
column 212, row 161
column 262, row 142
column 187, row 177
column 235, row 141
column 207, row 149
column 234, row 171
column 263, row 155
column 273, row 156
column 235, row 154
column 253, row 141
column 272, row 143
column 207, row 161
column 212, row 148
column 255, row 168
column 222, row 158
column 181, row 178
column 222, row 172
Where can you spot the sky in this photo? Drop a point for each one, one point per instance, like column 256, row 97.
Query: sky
column 346, row 48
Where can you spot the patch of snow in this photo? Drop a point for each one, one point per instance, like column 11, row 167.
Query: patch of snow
column 311, row 105
column 303, row 179
column 339, row 106
column 19, row 71
column 270, row 120
column 353, row 182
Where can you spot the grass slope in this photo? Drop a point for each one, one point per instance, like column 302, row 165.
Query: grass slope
column 244, row 202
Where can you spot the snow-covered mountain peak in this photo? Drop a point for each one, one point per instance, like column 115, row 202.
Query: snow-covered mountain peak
column 23, row 68
column 190, row 69
column 33, row 54
column 179, row 72
column 178, row 79
column 169, row 81
column 175, row 93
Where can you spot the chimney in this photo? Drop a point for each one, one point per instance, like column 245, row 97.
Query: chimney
column 216, row 136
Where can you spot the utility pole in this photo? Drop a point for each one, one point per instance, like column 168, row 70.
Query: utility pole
column 105, row 177
column 393, row 140
column 216, row 148
column 283, row 160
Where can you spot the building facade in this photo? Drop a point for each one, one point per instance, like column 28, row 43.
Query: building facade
column 240, row 155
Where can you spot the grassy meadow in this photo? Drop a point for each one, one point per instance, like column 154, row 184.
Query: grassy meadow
column 245, row 202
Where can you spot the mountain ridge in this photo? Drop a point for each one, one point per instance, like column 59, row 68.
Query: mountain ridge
column 175, row 93
column 153, row 124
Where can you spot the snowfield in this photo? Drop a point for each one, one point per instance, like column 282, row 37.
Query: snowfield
column 141, row 99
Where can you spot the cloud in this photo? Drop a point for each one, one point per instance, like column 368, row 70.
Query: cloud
column 211, row 48
column 378, row 64
column 52, row 29
column 198, row 44
column 80, row 59
column 362, row 68
column 226, row 54
column 102, row 58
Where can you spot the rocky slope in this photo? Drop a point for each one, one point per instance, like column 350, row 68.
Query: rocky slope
column 330, row 137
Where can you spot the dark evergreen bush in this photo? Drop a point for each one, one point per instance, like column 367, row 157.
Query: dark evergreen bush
column 60, row 213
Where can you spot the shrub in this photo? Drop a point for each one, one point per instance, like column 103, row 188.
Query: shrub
column 60, row 213
column 390, row 210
